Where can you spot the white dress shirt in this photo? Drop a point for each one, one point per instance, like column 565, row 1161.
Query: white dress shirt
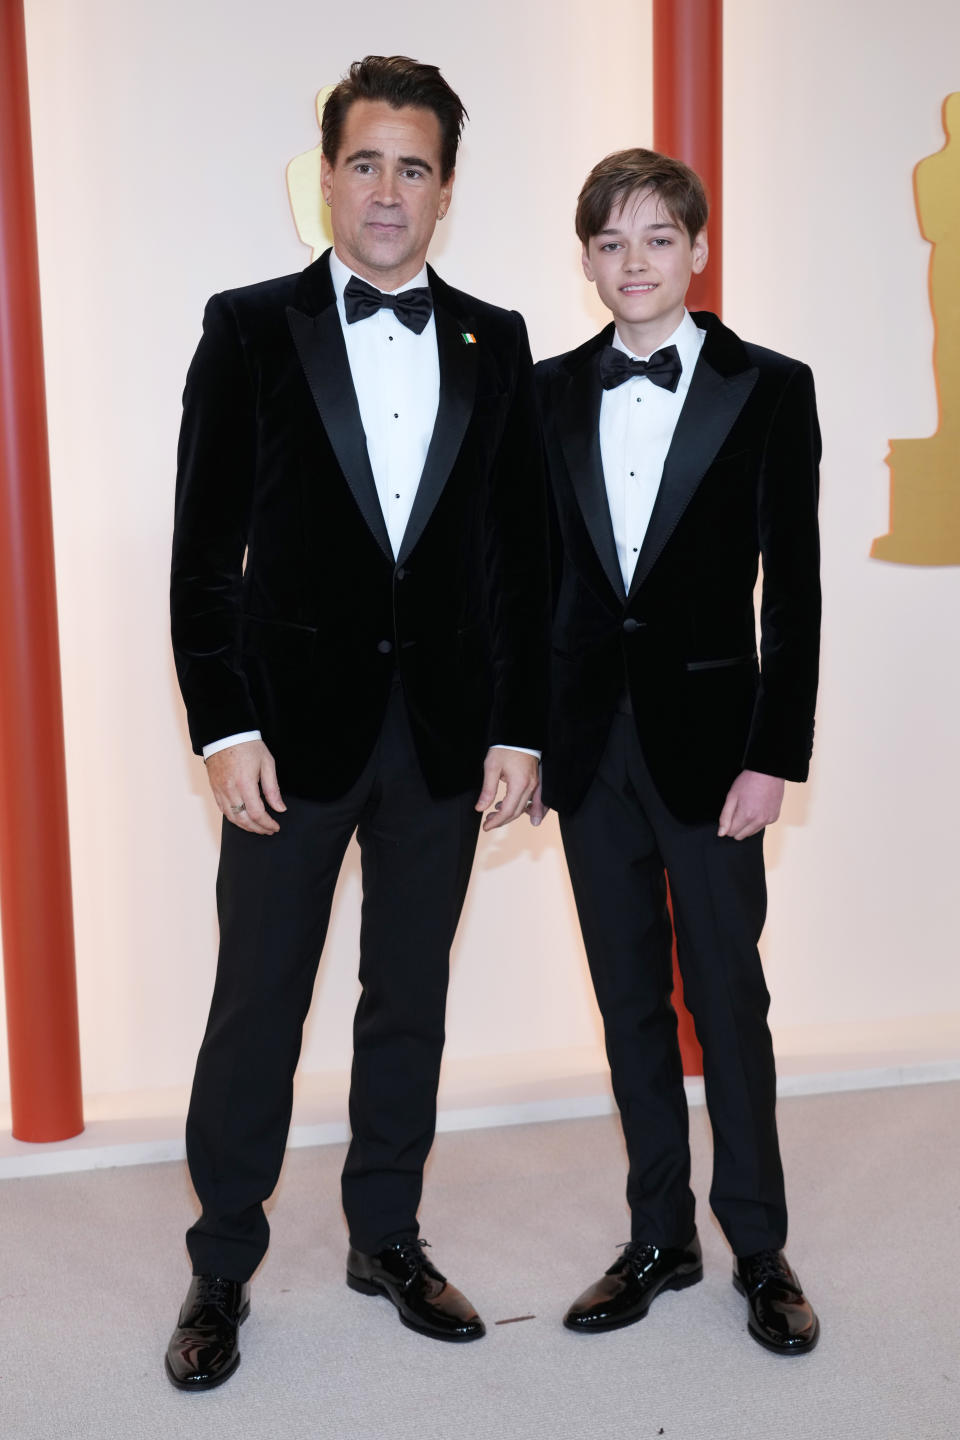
column 637, row 421
column 396, row 377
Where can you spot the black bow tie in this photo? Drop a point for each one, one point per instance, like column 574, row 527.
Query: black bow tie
column 412, row 308
column 663, row 368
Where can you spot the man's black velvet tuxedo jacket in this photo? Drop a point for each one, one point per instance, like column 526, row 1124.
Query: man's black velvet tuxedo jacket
column 290, row 613
column 739, row 483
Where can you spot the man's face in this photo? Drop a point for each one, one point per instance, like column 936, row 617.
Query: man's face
column 641, row 263
column 384, row 190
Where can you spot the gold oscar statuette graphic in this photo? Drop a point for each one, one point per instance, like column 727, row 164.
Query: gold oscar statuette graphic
column 925, row 474
column 310, row 213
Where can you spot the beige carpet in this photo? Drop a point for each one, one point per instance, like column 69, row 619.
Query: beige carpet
column 92, row 1271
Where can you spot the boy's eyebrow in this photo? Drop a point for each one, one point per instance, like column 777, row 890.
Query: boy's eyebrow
column 658, row 225
column 378, row 155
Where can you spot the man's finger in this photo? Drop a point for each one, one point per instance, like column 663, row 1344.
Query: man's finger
column 727, row 814
column 268, row 783
column 538, row 811
column 491, row 780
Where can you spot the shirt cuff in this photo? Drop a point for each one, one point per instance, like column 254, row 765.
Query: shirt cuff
column 520, row 749
column 229, row 740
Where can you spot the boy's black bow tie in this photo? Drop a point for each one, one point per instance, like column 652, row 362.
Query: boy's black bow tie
column 663, row 368
column 412, row 308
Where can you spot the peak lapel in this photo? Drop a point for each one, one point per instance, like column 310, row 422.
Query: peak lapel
column 713, row 403
column 323, row 355
column 578, row 425
column 458, row 385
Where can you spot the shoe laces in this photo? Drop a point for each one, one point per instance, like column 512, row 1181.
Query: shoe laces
column 768, row 1265
column 215, row 1290
column 411, row 1250
column 638, row 1254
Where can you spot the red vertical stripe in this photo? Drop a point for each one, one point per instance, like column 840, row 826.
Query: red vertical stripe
column 688, row 124
column 35, row 897
column 688, row 114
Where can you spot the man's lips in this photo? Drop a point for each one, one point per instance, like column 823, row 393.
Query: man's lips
column 643, row 289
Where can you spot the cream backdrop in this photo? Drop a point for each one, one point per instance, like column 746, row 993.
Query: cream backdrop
column 161, row 133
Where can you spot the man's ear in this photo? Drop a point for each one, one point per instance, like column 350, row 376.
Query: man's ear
column 326, row 178
column 446, row 194
column 701, row 252
column 585, row 262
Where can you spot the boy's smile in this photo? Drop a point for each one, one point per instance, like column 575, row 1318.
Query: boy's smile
column 641, row 263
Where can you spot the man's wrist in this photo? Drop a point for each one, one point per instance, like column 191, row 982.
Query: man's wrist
column 229, row 740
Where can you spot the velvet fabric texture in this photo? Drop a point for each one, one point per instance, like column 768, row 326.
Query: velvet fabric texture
column 740, row 484
column 290, row 613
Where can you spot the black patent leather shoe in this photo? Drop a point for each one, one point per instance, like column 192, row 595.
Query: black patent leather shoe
column 424, row 1298
column 780, row 1317
column 204, row 1349
column 626, row 1291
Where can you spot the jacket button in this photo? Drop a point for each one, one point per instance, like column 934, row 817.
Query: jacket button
column 630, row 625
column 401, row 573
column 385, row 646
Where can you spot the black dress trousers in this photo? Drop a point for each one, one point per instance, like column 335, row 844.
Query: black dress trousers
column 274, row 895
column 618, row 843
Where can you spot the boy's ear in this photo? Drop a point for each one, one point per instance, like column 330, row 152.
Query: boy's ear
column 585, row 262
column 700, row 252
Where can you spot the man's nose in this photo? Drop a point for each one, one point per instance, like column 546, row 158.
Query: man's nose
column 387, row 192
column 636, row 259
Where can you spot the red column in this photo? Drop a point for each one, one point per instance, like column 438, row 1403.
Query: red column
column 688, row 114
column 35, row 898
column 688, row 124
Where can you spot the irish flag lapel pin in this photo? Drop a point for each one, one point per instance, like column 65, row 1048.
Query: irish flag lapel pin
column 467, row 338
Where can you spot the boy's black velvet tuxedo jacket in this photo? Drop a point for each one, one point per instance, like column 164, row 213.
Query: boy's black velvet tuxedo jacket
column 740, row 482
column 290, row 614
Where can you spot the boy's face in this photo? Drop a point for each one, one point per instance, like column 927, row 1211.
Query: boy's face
column 641, row 263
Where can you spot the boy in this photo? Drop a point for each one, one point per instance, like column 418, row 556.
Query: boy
column 679, row 457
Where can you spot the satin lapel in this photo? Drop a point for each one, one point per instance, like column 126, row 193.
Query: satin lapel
column 323, row 355
column 458, row 385
column 712, row 405
column 578, row 424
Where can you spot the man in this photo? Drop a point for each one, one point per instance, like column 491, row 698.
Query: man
column 360, row 622
column 678, row 457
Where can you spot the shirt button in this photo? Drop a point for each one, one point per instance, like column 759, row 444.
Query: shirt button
column 385, row 646
column 395, row 415
column 632, row 472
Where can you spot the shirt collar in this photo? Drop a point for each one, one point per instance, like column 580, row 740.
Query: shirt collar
column 687, row 338
column 340, row 274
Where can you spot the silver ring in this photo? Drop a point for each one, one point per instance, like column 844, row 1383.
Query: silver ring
column 236, row 809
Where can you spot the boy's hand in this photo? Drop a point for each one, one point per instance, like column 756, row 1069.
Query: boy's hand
column 753, row 802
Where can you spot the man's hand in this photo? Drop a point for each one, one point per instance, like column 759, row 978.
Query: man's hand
column 753, row 802
column 520, row 773
column 237, row 776
column 538, row 811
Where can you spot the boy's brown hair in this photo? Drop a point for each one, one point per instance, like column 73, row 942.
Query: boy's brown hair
column 627, row 173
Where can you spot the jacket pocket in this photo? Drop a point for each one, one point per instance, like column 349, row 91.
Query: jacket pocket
column 720, row 664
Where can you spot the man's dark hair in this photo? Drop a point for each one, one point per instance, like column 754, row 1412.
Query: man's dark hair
column 628, row 173
column 399, row 81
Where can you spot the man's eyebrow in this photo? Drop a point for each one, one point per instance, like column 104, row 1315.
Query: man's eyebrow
column 406, row 160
